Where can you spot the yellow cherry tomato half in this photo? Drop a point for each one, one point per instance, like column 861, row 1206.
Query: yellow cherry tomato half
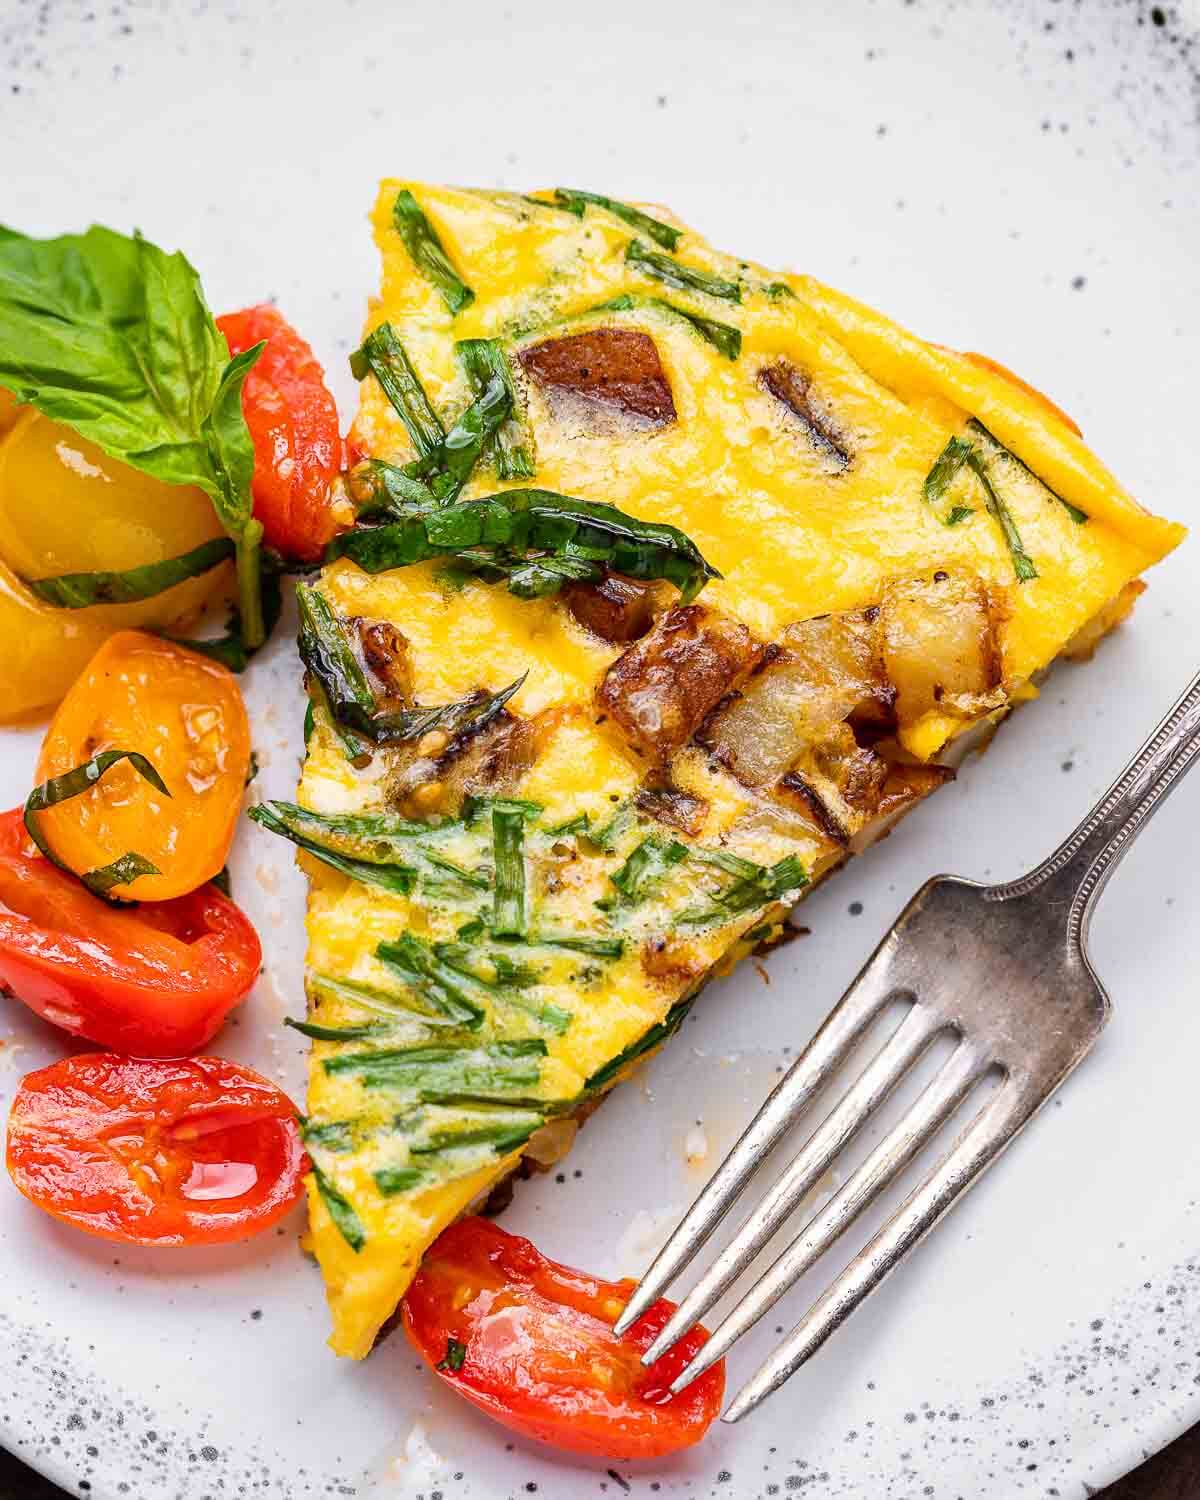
column 66, row 507
column 186, row 715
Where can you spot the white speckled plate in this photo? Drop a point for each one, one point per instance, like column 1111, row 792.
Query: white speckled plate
column 1015, row 177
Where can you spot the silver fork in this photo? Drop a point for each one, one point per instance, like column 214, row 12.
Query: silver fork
column 1004, row 969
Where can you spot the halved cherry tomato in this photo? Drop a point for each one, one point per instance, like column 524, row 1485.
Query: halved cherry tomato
column 198, row 1151
column 294, row 424
column 530, row 1342
column 186, row 715
column 156, row 979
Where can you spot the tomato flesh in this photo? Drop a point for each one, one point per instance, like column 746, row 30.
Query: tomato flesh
column 530, row 1342
column 156, row 979
column 185, row 713
column 185, row 1152
column 293, row 422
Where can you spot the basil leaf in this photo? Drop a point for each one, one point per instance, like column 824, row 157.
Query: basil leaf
column 454, row 1357
column 112, row 336
column 80, row 590
column 521, row 525
column 674, row 273
column 428, row 253
column 74, row 783
column 456, row 455
column 381, row 489
column 574, row 200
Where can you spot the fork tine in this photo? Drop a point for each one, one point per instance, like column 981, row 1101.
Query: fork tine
column 976, row 1148
column 861, row 1003
column 881, row 1075
column 928, row 1114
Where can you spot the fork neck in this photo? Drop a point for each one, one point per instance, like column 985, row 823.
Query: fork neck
column 1075, row 874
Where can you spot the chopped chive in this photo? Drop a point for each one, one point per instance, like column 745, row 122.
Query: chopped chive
column 396, row 1005
column 508, row 844
column 453, row 1358
column 957, row 514
column 121, row 871
column 945, row 469
column 502, row 1070
column 580, row 823
column 609, row 835
column 646, row 866
column 512, row 445
column 81, row 590
column 340, row 1210
column 724, row 337
column 318, row 1033
column 755, row 886
column 1023, row 565
column 1080, row 517
column 574, row 201
column 393, row 1180
column 428, row 253
column 384, row 356
column 436, row 981
column 779, row 291
column 674, row 273
column 288, row 821
column 596, row 947
column 508, row 977
column 329, row 1135
column 647, row 1042
column 475, row 808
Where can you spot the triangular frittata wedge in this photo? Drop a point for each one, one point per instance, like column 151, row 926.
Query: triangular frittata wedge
column 877, row 546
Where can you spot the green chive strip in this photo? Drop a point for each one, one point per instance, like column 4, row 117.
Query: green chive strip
column 674, row 273
column 516, row 525
column 280, row 818
column 340, row 1210
column 1080, row 517
column 81, row 590
column 755, row 886
column 574, row 200
column 647, row 1042
column 384, row 356
column 1022, row 563
column 501, row 1071
column 508, row 843
column 512, row 446
column 646, row 866
column 394, row 1005
column 428, row 253
column 724, row 337
column 318, row 1033
column 121, row 871
column 433, row 979
column 946, row 468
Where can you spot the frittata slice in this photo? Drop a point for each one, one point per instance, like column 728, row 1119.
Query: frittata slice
column 757, row 559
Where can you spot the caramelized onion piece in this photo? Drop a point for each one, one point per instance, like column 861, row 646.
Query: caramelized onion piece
column 660, row 689
column 609, row 377
column 615, row 608
column 435, row 776
column 385, row 654
column 676, row 808
column 792, row 388
column 941, row 646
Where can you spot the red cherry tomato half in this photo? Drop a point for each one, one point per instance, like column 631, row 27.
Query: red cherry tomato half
column 294, row 424
column 156, row 979
column 530, row 1342
column 195, row 1151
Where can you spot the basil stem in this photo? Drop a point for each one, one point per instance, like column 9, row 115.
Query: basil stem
column 647, row 1042
column 501, row 1070
column 674, row 273
column 508, row 844
column 428, row 253
column 517, row 525
column 512, row 445
column 282, row 818
column 340, row 1210
column 384, row 356
column 574, row 201
column 454, row 1357
column 1022, row 563
column 452, row 461
column 724, row 337
column 436, row 981
column 121, row 871
column 646, row 866
column 230, row 649
column 79, row 590
column 974, row 425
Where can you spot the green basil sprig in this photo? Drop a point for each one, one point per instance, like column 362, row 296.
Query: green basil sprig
column 73, row 783
column 674, row 273
column 428, row 253
column 575, row 200
column 79, row 590
column 112, row 336
column 532, row 526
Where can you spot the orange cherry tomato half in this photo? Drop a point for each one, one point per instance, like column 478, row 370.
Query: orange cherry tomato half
column 196, row 1151
column 185, row 714
column 530, row 1342
column 293, row 422
column 157, row 978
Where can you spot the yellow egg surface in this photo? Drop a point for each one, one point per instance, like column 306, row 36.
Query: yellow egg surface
column 903, row 538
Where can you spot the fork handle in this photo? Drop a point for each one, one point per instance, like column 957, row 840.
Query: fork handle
column 1075, row 874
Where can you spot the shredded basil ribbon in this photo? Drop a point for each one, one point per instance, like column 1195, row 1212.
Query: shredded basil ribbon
column 428, row 253
column 537, row 538
column 79, row 590
column 575, row 200
column 121, row 871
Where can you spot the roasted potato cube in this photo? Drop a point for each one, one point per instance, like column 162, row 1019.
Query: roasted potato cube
column 660, row 689
column 615, row 608
column 606, row 378
column 941, row 646
column 385, row 655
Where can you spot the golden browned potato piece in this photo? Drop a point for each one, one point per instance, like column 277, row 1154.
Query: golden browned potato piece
column 941, row 646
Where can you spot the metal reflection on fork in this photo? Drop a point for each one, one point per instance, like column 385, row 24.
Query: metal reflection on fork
column 1004, row 970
